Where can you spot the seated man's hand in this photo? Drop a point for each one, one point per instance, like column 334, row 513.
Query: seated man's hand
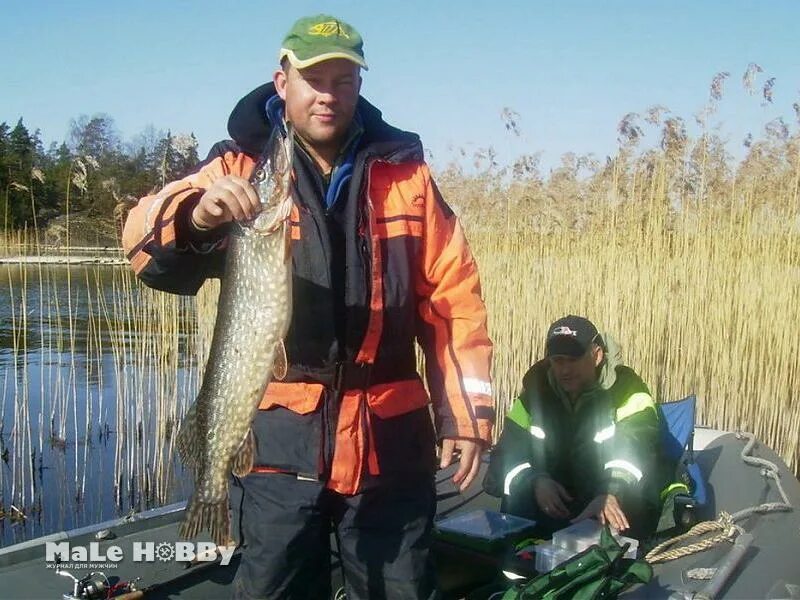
column 606, row 509
column 551, row 496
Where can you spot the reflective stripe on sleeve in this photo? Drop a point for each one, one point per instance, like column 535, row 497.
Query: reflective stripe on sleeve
column 150, row 216
column 512, row 474
column 537, row 432
column 636, row 403
column 477, row 386
column 624, row 465
column 605, row 434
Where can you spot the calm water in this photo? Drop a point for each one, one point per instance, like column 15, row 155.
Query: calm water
column 92, row 385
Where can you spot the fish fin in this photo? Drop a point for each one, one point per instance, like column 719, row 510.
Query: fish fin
column 280, row 364
column 287, row 241
column 213, row 518
column 245, row 457
column 188, row 441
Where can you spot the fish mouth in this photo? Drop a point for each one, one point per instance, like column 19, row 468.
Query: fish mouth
column 280, row 215
column 278, row 207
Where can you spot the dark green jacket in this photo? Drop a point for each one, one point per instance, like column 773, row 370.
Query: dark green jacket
column 607, row 443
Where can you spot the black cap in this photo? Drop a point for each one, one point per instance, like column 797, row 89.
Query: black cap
column 571, row 336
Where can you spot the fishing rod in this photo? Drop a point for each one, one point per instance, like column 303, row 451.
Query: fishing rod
column 96, row 585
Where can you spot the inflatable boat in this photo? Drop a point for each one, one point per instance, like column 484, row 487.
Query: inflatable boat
column 750, row 499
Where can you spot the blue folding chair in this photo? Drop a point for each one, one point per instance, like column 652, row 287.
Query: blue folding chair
column 689, row 491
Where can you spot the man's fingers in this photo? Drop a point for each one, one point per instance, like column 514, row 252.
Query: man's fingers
column 614, row 514
column 207, row 213
column 618, row 519
column 463, row 469
column 212, row 209
column 233, row 206
column 248, row 195
column 563, row 492
column 556, row 506
column 246, row 198
column 612, row 519
column 470, row 458
column 216, row 210
column 550, row 498
column 251, row 197
column 229, row 198
column 447, row 453
column 468, row 455
column 233, row 196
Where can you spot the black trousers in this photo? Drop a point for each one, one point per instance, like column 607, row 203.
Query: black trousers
column 383, row 533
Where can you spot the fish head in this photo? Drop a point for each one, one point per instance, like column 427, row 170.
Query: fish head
column 273, row 184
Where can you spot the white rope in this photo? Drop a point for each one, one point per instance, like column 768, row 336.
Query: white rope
column 768, row 470
column 725, row 522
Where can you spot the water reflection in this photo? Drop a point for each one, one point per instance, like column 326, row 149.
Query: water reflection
column 95, row 371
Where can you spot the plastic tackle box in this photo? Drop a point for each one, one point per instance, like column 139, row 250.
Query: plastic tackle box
column 549, row 556
column 581, row 535
column 483, row 530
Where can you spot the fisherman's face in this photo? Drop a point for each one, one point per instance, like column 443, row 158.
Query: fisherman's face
column 577, row 374
column 320, row 101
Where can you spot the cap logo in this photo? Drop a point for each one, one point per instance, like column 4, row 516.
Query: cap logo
column 564, row 330
column 328, row 29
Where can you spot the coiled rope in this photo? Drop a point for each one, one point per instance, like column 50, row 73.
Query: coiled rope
column 725, row 524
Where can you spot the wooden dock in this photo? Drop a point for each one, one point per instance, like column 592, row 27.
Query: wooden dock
column 54, row 255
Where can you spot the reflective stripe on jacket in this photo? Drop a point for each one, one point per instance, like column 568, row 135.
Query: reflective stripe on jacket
column 408, row 276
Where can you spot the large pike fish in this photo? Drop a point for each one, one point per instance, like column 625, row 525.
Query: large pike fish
column 253, row 316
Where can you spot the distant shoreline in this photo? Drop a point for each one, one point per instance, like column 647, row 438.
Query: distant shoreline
column 73, row 256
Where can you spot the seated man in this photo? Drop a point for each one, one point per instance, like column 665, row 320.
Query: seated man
column 581, row 440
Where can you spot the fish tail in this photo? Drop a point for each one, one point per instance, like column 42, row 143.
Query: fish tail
column 245, row 457
column 214, row 518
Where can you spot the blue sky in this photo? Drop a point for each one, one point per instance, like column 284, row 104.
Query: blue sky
column 445, row 69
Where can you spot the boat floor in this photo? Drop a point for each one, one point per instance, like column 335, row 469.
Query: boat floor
column 769, row 569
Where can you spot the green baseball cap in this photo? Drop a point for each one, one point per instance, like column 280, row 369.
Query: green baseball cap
column 312, row 40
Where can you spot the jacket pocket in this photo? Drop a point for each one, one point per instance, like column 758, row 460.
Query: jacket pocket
column 288, row 441
column 397, row 398
column 300, row 398
column 288, row 428
column 404, row 444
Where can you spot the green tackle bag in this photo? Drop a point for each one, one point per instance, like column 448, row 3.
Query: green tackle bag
column 600, row 572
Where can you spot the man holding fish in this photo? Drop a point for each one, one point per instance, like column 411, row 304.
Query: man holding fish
column 343, row 430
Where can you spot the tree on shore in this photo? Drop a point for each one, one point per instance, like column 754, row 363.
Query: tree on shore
column 90, row 172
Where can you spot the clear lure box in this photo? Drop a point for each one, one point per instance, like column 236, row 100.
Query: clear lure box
column 578, row 537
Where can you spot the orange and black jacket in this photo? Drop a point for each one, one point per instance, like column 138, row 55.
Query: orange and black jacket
column 386, row 266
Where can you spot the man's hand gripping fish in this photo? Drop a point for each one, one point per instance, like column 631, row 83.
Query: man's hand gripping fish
column 253, row 315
